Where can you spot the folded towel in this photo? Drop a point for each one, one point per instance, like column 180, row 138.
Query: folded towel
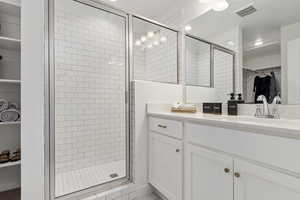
column 10, row 115
column 3, row 105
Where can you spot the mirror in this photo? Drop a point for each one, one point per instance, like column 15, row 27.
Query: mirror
column 265, row 37
column 154, row 52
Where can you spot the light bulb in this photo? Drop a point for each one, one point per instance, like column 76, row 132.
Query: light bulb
column 156, row 43
column 150, row 34
column 187, row 28
column 219, row 5
column 163, row 39
column 149, row 46
column 258, row 43
column 143, row 38
column 138, row 43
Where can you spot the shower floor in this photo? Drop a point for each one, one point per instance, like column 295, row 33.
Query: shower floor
column 77, row 180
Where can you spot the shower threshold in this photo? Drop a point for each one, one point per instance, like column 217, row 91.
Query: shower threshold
column 77, row 180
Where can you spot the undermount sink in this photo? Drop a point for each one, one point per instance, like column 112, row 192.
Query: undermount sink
column 270, row 121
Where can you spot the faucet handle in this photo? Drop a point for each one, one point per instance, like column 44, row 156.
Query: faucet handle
column 261, row 98
column 276, row 100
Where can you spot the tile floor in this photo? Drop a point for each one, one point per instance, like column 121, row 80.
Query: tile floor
column 77, row 180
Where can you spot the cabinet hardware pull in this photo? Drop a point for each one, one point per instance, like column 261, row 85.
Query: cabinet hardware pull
column 226, row 170
column 177, row 150
column 237, row 175
column 162, row 126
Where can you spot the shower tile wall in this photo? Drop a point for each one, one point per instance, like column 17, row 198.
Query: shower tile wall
column 223, row 75
column 89, row 87
column 158, row 63
column 198, row 63
column 161, row 61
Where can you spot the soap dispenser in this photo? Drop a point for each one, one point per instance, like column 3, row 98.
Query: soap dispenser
column 232, row 105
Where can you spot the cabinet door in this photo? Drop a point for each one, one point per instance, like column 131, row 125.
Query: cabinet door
column 208, row 175
column 253, row 182
column 165, row 165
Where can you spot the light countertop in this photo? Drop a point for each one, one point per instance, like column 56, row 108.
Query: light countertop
column 278, row 127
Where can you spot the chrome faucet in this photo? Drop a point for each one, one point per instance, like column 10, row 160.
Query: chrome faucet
column 262, row 111
column 275, row 110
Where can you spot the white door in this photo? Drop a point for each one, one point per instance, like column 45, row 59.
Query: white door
column 258, row 183
column 208, row 175
column 165, row 165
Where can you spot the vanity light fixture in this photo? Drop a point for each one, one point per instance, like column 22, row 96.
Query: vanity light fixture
column 187, row 28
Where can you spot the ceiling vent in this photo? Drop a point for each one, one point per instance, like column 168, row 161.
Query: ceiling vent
column 246, row 11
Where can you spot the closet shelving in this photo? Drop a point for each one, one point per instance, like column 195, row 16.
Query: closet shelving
column 10, row 89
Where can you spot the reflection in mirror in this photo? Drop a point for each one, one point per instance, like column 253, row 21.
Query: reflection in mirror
column 211, row 67
column 223, row 65
column 198, row 65
column 265, row 35
column 155, row 52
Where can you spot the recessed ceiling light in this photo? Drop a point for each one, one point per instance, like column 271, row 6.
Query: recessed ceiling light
column 150, row 46
column 113, row 0
column 220, row 5
column 150, row 34
column 258, row 43
column 187, row 28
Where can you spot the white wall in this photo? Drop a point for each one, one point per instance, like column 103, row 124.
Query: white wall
column 33, row 99
column 148, row 92
column 288, row 33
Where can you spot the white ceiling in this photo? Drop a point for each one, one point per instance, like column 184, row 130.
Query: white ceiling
column 264, row 24
column 180, row 11
column 150, row 9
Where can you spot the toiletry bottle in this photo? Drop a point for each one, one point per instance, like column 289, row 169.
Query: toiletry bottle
column 232, row 105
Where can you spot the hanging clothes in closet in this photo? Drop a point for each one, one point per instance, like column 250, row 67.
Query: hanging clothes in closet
column 266, row 85
column 262, row 87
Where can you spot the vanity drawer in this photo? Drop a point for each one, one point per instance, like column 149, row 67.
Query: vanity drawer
column 167, row 127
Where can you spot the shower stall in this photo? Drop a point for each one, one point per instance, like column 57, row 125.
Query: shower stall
column 89, row 91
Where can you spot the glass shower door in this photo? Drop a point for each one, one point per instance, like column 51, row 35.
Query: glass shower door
column 90, row 114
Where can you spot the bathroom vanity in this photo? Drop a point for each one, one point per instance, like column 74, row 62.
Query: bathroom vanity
column 197, row 156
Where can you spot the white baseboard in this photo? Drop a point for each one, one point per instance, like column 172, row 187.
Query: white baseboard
column 9, row 186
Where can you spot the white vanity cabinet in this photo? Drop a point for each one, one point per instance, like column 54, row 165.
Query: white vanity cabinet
column 219, row 162
column 227, row 164
column 208, row 175
column 213, row 176
column 256, row 182
column 166, row 157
